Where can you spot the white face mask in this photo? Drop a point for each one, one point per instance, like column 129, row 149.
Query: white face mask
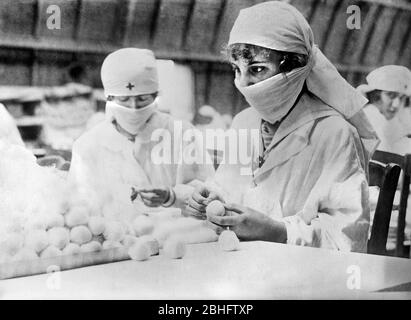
column 131, row 120
column 275, row 96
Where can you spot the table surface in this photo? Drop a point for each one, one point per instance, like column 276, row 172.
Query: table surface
column 259, row 270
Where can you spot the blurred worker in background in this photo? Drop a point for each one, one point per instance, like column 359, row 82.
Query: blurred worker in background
column 115, row 155
column 386, row 90
column 8, row 128
column 306, row 183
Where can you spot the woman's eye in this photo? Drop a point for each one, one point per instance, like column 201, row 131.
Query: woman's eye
column 392, row 95
column 256, row 69
column 124, row 99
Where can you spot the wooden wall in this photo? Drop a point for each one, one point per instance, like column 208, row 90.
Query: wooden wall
column 189, row 31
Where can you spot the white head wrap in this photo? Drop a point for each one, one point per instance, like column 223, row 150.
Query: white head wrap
column 388, row 78
column 279, row 26
column 129, row 72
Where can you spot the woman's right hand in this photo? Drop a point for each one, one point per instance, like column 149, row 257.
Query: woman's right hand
column 197, row 203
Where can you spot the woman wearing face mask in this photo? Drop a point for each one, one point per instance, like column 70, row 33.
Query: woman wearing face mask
column 306, row 182
column 386, row 89
column 117, row 155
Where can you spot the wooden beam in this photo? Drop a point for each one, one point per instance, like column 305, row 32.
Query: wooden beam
column 100, row 48
column 397, row 4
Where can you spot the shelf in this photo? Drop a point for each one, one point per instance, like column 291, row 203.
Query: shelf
column 28, row 121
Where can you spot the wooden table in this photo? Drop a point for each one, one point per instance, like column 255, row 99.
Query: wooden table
column 260, row 270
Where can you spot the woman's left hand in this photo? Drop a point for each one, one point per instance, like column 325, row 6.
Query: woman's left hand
column 154, row 197
column 249, row 224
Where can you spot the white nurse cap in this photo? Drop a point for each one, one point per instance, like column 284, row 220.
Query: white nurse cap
column 129, row 72
column 388, row 78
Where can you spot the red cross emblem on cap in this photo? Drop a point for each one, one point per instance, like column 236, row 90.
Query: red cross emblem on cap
column 130, row 86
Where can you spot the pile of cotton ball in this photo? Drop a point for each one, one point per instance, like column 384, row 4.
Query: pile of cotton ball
column 42, row 216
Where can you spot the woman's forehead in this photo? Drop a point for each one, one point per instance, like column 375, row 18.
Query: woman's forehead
column 134, row 96
column 259, row 57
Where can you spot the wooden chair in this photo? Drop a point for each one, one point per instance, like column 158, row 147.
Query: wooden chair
column 405, row 163
column 386, row 177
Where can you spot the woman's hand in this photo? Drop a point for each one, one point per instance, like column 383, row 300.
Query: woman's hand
column 154, row 197
column 249, row 224
column 197, row 203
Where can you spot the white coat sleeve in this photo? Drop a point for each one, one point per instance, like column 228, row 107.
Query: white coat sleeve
column 336, row 214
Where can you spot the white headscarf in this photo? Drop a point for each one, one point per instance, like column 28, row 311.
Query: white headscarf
column 279, row 26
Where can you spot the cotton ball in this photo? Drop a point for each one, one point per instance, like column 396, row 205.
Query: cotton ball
column 58, row 237
column 92, row 246
column 215, row 208
column 5, row 257
column 25, row 254
column 111, row 244
column 139, row 251
column 80, row 235
column 130, row 230
column 114, row 231
column 129, row 240
column 12, row 243
column 36, row 223
column 50, row 252
column 143, row 225
column 37, row 240
column 174, row 248
column 14, row 225
column 71, row 249
column 78, row 215
column 55, row 220
column 152, row 244
column 96, row 225
column 228, row 241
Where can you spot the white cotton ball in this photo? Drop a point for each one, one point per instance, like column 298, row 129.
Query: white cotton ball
column 36, row 223
column 58, row 237
column 174, row 248
column 139, row 251
column 5, row 257
column 114, row 231
column 172, row 227
column 25, row 254
column 92, row 246
column 15, row 225
column 71, row 249
column 50, row 252
column 80, row 235
column 77, row 215
column 143, row 225
column 228, row 241
column 129, row 229
column 129, row 240
column 215, row 208
column 152, row 244
column 111, row 244
column 37, row 240
column 12, row 243
column 96, row 225
column 55, row 220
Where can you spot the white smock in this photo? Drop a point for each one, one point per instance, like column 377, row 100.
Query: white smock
column 392, row 133
column 107, row 164
column 314, row 175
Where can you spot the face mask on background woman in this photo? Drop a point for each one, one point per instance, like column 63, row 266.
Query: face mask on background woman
column 131, row 120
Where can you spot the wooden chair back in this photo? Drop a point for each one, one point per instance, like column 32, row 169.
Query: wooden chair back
column 405, row 163
column 386, row 177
